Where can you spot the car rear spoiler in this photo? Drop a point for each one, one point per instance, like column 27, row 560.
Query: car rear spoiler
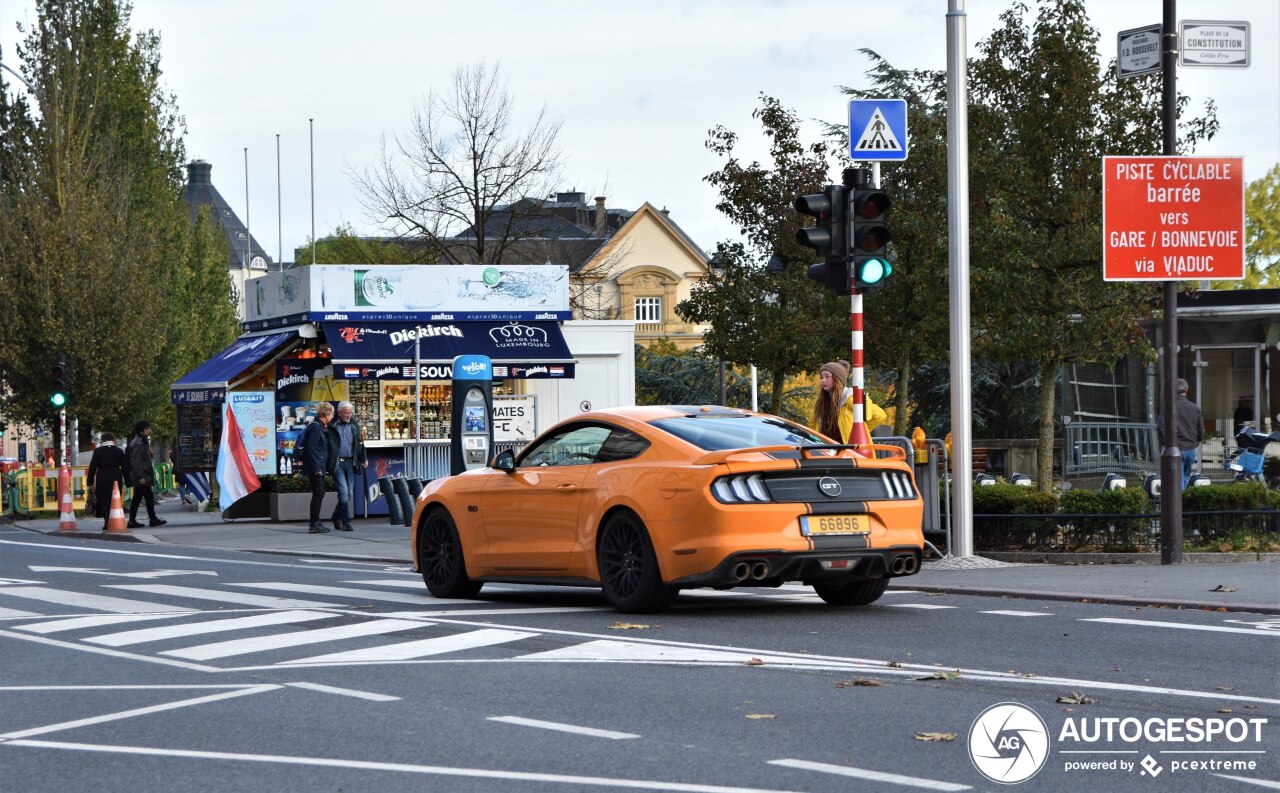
column 863, row 450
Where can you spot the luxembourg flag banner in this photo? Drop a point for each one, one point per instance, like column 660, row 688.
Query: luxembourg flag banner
column 236, row 477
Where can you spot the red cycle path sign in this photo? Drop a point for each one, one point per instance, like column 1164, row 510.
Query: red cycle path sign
column 1172, row 218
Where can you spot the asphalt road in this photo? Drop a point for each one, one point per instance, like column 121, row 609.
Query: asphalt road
column 138, row 668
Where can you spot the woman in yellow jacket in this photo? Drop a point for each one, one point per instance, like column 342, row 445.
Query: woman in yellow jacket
column 833, row 409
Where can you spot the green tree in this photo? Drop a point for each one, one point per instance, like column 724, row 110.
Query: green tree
column 784, row 323
column 97, row 254
column 1045, row 112
column 1262, row 234
column 345, row 246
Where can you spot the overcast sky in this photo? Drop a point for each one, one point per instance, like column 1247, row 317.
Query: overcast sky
column 637, row 85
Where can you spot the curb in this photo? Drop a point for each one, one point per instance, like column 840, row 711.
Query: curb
column 1053, row 557
column 1079, row 597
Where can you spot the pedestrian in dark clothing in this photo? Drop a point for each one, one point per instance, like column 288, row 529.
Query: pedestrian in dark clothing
column 142, row 475
column 1190, row 424
column 346, row 456
column 106, row 468
column 315, row 461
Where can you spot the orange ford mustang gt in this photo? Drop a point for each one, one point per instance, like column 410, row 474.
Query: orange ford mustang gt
column 645, row 501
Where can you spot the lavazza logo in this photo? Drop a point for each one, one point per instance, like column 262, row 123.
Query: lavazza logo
column 1009, row 743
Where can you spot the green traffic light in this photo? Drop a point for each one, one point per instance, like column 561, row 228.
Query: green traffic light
column 58, row 400
column 873, row 271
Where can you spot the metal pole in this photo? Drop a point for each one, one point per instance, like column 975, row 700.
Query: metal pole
column 723, row 389
column 248, row 237
column 62, row 430
column 755, row 394
column 312, row 126
column 417, row 389
column 1170, row 455
column 958, row 243
column 279, row 221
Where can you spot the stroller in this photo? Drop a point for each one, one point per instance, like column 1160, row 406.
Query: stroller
column 1246, row 459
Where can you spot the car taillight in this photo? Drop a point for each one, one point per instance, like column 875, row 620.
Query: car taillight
column 741, row 489
column 898, row 485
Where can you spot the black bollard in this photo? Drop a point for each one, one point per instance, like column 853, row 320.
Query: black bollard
column 406, row 500
column 415, row 486
column 395, row 515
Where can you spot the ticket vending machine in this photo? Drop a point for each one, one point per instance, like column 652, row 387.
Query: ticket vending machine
column 471, row 417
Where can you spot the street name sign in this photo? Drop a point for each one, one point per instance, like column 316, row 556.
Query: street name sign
column 1138, row 51
column 1172, row 218
column 878, row 129
column 1207, row 43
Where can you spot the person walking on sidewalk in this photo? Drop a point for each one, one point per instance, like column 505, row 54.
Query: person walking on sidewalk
column 315, row 461
column 106, row 468
column 142, row 475
column 1190, row 423
column 346, row 451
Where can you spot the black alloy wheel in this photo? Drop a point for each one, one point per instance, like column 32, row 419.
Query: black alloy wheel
column 440, row 558
column 629, row 571
column 852, row 593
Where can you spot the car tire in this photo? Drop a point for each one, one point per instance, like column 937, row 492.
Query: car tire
column 852, row 593
column 629, row 573
column 444, row 570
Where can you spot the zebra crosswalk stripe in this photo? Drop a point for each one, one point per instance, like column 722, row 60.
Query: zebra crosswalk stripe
column 239, row 598
column 87, row 600
column 421, row 598
column 258, row 644
column 77, row 623
column 159, row 632
column 423, row 647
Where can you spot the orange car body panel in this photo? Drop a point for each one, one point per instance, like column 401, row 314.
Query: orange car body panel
column 542, row 522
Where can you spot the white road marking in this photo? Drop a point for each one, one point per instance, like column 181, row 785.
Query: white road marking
column 240, row 598
column 8, row 581
column 1008, row 613
column 345, row 692
column 125, row 714
column 1266, row 783
column 76, row 623
column 874, row 776
column 258, row 644
column 365, row 765
column 484, row 612
column 99, row 571
column 87, row 601
column 919, row 606
column 423, row 647
column 613, row 650
column 1180, row 625
column 12, row 613
column 126, row 687
column 210, row 626
column 356, row 594
column 112, row 653
column 558, row 727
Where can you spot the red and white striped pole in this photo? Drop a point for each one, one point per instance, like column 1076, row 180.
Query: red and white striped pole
column 857, row 379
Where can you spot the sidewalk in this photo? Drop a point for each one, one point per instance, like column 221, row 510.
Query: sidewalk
column 1250, row 586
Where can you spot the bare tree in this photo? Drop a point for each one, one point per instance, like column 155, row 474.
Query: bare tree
column 464, row 182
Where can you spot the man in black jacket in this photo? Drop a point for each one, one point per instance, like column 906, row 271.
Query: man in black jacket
column 346, row 452
column 142, row 474
column 1190, row 423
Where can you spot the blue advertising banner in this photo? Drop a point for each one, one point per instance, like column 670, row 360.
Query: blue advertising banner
column 520, row 346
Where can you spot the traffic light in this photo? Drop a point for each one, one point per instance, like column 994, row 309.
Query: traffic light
column 58, row 383
column 870, row 210
column 829, row 236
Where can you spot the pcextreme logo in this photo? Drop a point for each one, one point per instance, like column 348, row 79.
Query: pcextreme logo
column 1008, row 743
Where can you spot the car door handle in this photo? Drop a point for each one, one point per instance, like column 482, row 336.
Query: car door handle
column 566, row 488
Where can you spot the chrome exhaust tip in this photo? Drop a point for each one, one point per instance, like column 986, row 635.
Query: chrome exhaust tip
column 740, row 571
column 899, row 565
column 911, row 565
column 759, row 571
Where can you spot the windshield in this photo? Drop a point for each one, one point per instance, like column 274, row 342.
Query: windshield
column 718, row 434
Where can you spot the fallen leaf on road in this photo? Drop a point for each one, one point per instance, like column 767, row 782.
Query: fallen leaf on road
column 760, row 716
column 1224, row 710
column 1076, row 698
column 935, row 736
column 941, row 674
column 858, row 681
column 1221, row 588
column 894, row 664
column 754, row 662
column 1225, row 688
column 626, row 626
column 1250, row 707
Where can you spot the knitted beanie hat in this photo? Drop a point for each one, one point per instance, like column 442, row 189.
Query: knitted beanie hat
column 838, row 369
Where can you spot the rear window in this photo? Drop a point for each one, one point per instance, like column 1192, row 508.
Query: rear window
column 715, row 434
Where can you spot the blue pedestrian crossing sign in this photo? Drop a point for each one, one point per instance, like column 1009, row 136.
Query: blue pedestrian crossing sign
column 878, row 129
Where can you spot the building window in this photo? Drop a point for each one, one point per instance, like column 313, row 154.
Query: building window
column 648, row 309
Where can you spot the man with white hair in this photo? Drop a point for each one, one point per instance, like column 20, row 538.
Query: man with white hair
column 346, row 451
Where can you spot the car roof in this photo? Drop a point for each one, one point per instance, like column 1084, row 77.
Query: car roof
column 648, row 413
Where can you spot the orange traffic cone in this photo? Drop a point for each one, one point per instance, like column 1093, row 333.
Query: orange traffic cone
column 115, row 518
column 67, row 516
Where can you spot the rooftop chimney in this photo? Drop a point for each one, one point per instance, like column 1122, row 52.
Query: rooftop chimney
column 602, row 220
column 198, row 172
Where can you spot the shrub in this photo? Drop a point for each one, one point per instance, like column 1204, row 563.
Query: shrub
column 291, row 483
column 1006, row 499
column 1242, row 495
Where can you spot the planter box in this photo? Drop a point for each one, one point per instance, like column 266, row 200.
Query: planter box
column 254, row 505
column 286, row 507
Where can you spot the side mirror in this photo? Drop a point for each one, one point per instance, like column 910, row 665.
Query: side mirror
column 504, row 460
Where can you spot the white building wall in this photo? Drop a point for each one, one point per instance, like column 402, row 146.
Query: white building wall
column 606, row 372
